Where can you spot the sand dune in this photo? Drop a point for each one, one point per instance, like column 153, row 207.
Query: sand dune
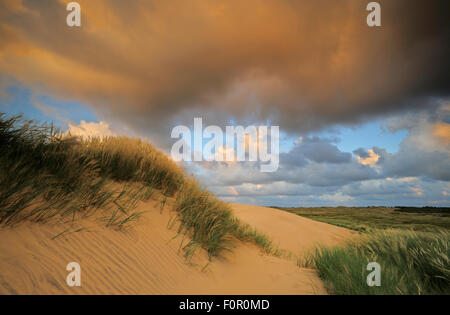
column 292, row 232
column 147, row 260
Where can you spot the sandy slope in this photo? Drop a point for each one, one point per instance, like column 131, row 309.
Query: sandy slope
column 292, row 232
column 147, row 260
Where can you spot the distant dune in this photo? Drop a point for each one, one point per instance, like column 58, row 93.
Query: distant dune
column 292, row 232
column 147, row 260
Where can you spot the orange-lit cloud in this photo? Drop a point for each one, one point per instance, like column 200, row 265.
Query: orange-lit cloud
column 417, row 191
column 233, row 191
column 223, row 152
column 371, row 160
column 441, row 130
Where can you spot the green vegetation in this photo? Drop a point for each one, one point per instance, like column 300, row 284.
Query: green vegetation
column 411, row 263
column 45, row 175
column 367, row 218
column 412, row 246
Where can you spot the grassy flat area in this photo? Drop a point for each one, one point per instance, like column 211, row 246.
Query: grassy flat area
column 410, row 244
column 368, row 218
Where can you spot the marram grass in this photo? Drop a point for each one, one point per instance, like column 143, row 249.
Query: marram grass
column 212, row 222
column 45, row 175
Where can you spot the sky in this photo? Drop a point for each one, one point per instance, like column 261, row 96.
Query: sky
column 363, row 112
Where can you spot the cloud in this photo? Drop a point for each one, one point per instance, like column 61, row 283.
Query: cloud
column 367, row 158
column 144, row 67
column 316, row 170
column 422, row 152
column 441, row 130
column 90, row 129
column 362, row 153
column 337, row 198
column 304, row 65
column 315, row 161
column 317, row 150
column 417, row 191
column 233, row 191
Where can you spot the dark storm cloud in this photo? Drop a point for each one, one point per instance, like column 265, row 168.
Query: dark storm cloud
column 302, row 64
